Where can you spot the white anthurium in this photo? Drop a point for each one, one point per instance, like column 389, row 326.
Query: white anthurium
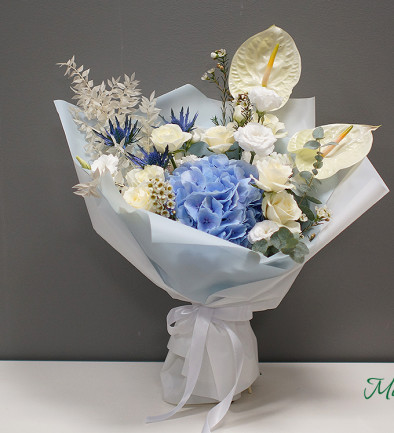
column 349, row 151
column 251, row 59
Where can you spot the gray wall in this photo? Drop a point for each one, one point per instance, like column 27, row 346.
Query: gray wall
column 65, row 293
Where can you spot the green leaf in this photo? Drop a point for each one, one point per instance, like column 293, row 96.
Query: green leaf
column 307, row 212
column 318, row 133
column 302, row 188
column 313, row 199
column 299, row 252
column 261, row 246
column 307, row 175
column 319, row 158
column 287, row 251
column 284, row 234
column 312, row 144
column 292, row 243
column 301, row 247
column 331, row 143
column 271, row 251
column 318, row 164
column 314, row 171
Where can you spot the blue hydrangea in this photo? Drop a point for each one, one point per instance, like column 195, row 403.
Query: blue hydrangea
column 214, row 195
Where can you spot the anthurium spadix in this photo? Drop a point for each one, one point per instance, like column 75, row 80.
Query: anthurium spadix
column 353, row 143
column 268, row 59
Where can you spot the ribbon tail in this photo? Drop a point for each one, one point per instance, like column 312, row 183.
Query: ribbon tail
column 217, row 413
column 195, row 357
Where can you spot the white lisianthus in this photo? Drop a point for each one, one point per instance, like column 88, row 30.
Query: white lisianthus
column 272, row 122
column 273, row 176
column 138, row 176
column 262, row 230
column 169, row 135
column 105, row 162
column 255, row 137
column 139, row 197
column 219, row 138
column 264, row 99
column 281, row 207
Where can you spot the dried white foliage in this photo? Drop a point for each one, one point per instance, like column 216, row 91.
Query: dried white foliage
column 99, row 104
column 148, row 119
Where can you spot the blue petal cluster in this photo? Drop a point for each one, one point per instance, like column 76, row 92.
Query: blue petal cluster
column 214, row 195
column 186, row 124
column 150, row 158
column 117, row 133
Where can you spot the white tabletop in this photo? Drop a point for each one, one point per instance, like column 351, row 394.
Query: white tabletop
column 115, row 397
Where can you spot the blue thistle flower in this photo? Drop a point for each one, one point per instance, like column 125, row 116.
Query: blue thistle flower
column 117, row 133
column 183, row 121
column 150, row 158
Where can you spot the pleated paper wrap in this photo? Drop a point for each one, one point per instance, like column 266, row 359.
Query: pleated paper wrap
column 213, row 351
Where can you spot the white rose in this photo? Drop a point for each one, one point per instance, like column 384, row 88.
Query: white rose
column 219, row 138
column 255, row 137
column 237, row 114
column 264, row 99
column 138, row 176
column 273, row 176
column 139, row 197
column 262, row 230
column 280, row 207
column 109, row 162
column 169, row 135
column 282, row 158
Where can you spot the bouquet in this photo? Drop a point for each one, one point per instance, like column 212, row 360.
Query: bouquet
column 218, row 202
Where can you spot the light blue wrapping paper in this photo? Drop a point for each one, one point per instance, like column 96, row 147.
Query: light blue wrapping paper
column 197, row 267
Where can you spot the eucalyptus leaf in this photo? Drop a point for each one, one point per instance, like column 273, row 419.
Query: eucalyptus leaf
column 305, row 209
column 261, row 246
column 306, row 175
column 303, row 188
column 312, row 144
column 299, row 252
column 318, row 133
column 292, row 243
column 313, row 199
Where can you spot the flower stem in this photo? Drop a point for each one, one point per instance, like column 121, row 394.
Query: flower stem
column 173, row 161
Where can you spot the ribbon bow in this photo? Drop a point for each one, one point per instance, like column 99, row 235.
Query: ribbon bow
column 203, row 317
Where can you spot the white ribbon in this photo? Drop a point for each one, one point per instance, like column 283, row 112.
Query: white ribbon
column 203, row 317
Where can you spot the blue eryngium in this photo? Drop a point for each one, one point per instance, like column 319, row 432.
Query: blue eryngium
column 183, row 122
column 214, row 195
column 116, row 134
column 150, row 158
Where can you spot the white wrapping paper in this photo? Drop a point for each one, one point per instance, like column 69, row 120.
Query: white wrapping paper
column 205, row 270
